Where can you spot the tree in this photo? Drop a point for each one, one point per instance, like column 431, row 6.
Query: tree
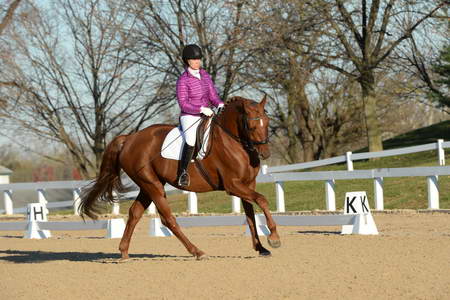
column 164, row 27
column 425, row 59
column 365, row 35
column 311, row 109
column 7, row 18
column 68, row 79
column 440, row 92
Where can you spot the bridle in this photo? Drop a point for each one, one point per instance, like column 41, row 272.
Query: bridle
column 247, row 143
column 245, row 120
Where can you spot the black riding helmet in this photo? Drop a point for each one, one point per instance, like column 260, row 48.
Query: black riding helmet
column 192, row 52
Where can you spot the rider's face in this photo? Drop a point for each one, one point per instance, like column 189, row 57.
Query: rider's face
column 195, row 64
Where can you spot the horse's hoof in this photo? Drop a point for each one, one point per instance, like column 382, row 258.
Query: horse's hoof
column 265, row 253
column 203, row 257
column 274, row 243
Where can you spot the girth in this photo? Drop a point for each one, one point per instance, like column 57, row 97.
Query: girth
column 205, row 174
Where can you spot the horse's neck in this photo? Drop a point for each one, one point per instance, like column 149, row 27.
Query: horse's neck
column 232, row 138
column 229, row 122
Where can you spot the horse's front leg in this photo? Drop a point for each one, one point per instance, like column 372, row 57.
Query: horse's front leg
column 248, row 192
column 250, row 214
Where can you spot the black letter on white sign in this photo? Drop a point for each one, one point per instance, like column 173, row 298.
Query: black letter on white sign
column 350, row 205
column 363, row 204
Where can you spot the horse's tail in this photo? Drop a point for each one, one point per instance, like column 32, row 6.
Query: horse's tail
column 107, row 181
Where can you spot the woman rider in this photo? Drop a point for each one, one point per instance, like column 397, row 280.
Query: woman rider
column 195, row 93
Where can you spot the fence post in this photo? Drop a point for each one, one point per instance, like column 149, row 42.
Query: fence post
column 330, row 194
column 348, row 157
column 279, row 188
column 441, row 154
column 41, row 199
column 151, row 210
column 264, row 169
column 76, row 201
column 7, row 200
column 116, row 206
column 192, row 203
column 235, row 204
column 378, row 193
column 433, row 192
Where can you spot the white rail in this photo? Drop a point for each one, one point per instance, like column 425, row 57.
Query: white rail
column 377, row 175
column 440, row 145
column 114, row 227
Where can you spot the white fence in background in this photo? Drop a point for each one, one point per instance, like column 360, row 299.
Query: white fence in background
column 278, row 175
column 377, row 175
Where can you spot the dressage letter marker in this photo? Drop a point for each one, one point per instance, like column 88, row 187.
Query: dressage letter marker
column 356, row 203
column 36, row 212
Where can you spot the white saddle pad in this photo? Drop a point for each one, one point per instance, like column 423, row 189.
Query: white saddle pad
column 173, row 144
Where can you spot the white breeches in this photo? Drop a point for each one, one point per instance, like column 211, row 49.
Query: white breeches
column 189, row 125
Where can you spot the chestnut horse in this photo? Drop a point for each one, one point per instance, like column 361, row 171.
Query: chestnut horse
column 238, row 139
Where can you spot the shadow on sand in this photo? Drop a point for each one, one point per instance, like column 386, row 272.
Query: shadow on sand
column 318, row 232
column 22, row 256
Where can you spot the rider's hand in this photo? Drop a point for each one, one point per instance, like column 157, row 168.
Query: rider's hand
column 220, row 108
column 206, row 111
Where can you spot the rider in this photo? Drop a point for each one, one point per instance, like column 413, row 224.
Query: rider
column 195, row 93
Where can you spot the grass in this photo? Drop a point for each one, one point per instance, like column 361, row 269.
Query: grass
column 399, row 193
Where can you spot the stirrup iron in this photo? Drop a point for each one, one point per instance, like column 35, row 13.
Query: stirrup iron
column 184, row 179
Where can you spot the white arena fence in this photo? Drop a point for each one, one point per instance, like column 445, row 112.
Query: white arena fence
column 37, row 225
column 39, row 229
column 277, row 175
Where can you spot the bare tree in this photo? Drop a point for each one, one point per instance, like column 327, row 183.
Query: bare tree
column 164, row 27
column 309, row 112
column 7, row 18
column 75, row 84
column 430, row 65
column 365, row 33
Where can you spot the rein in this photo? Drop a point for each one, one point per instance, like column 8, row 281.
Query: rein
column 248, row 144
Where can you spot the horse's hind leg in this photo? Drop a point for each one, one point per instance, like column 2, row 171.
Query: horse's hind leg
column 156, row 190
column 135, row 213
column 250, row 214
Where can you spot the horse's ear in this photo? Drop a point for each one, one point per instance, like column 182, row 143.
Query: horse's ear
column 263, row 101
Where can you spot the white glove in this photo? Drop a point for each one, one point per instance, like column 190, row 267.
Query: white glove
column 219, row 108
column 206, row 111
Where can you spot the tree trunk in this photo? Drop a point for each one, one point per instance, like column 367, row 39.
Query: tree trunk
column 305, row 124
column 293, row 148
column 370, row 112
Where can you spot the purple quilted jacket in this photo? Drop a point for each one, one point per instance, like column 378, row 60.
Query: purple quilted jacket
column 193, row 93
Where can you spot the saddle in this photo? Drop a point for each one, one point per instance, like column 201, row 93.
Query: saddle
column 172, row 146
column 202, row 144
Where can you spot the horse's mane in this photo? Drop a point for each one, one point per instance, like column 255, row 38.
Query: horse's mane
column 237, row 101
column 234, row 99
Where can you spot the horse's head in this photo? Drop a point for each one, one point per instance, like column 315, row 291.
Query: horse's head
column 246, row 121
column 256, row 126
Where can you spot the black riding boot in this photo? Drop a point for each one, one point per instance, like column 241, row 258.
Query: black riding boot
column 183, row 177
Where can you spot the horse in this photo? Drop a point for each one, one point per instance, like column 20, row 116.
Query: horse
column 238, row 142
